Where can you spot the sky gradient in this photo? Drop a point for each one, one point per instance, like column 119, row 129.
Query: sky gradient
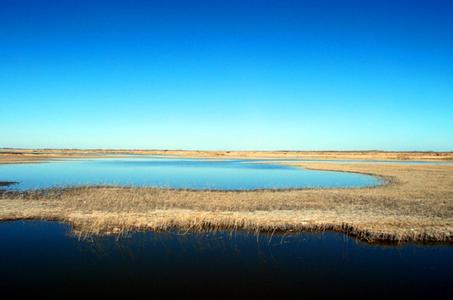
column 244, row 75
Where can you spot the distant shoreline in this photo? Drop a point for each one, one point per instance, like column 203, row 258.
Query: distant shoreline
column 10, row 155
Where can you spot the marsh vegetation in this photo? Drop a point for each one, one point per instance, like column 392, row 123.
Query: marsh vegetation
column 415, row 204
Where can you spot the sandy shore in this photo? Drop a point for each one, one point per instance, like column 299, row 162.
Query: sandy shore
column 415, row 205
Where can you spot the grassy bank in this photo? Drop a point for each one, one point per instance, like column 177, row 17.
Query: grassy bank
column 35, row 155
column 415, row 204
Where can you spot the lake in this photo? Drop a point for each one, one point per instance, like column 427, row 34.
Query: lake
column 175, row 173
column 38, row 257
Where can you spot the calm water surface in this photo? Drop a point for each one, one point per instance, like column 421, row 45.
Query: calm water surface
column 43, row 258
column 175, row 173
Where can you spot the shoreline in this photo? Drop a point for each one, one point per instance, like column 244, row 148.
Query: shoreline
column 35, row 155
column 414, row 204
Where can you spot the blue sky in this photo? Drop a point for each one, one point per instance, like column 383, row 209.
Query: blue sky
column 265, row 75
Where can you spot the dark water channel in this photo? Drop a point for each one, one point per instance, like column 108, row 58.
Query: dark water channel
column 43, row 258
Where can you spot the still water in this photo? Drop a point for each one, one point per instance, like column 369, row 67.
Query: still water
column 175, row 173
column 38, row 257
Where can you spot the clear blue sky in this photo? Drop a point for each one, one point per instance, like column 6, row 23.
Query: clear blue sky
column 295, row 75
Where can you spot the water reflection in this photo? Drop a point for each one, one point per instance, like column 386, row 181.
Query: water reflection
column 45, row 257
column 175, row 173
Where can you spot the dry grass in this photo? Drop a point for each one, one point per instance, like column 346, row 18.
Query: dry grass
column 416, row 204
column 34, row 155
